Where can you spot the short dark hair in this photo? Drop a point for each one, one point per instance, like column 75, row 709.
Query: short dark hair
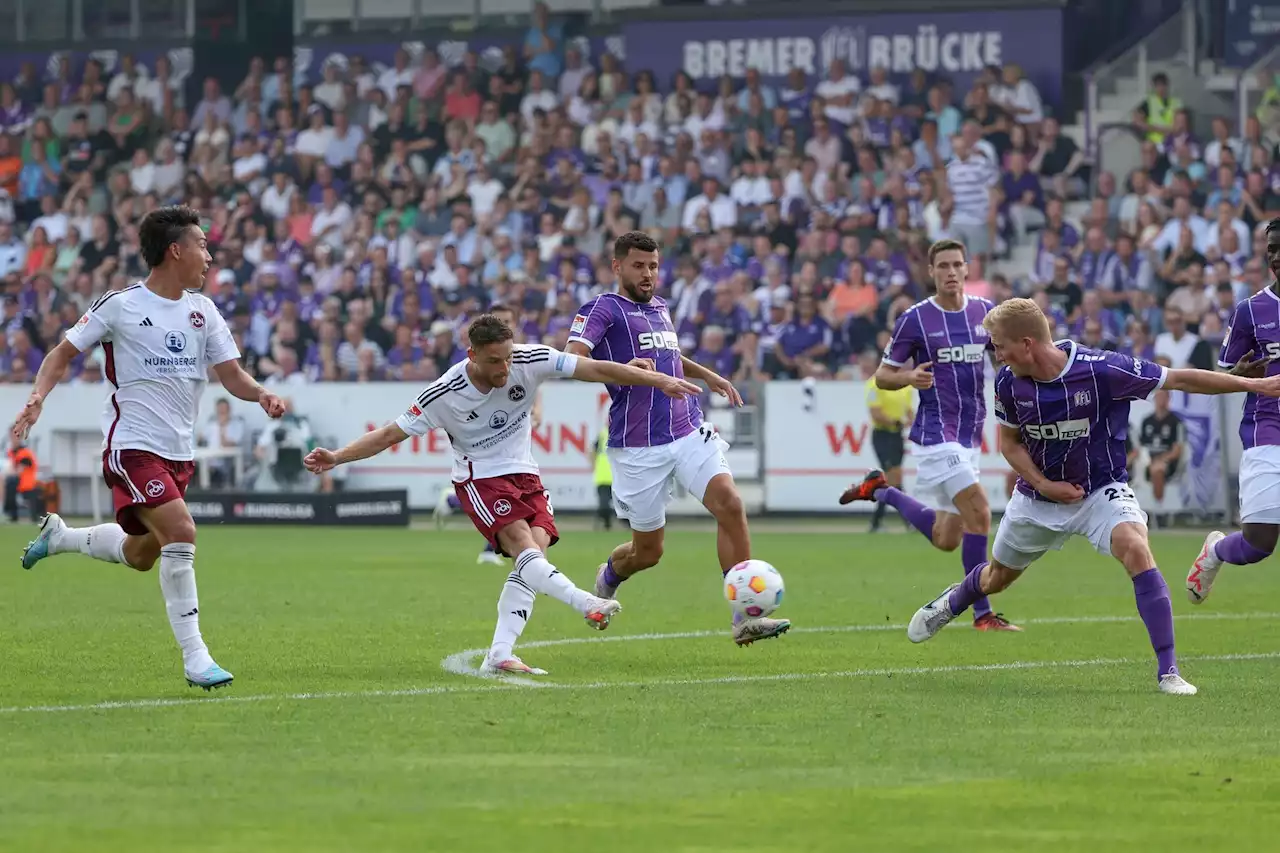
column 488, row 329
column 163, row 227
column 946, row 246
column 637, row 240
column 1273, row 227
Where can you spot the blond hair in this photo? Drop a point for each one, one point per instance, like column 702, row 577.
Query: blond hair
column 1018, row 319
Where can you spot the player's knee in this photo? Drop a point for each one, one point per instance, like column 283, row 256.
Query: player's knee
column 1264, row 537
column 183, row 531
column 946, row 539
column 726, row 505
column 1129, row 545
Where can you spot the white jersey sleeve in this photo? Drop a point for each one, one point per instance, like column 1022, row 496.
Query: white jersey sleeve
column 540, row 363
column 97, row 322
column 220, row 346
column 426, row 412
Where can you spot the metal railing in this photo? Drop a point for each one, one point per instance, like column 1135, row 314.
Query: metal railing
column 1172, row 41
column 1250, row 82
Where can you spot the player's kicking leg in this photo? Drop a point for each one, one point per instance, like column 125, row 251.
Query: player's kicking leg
column 1253, row 543
column 534, row 574
column 967, row 529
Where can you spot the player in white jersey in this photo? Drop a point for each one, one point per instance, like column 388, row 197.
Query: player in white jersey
column 159, row 339
column 485, row 404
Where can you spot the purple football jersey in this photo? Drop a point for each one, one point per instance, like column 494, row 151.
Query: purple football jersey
column 954, row 409
column 1255, row 327
column 1075, row 425
column 616, row 329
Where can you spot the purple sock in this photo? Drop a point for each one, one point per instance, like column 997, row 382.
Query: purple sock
column 454, row 503
column 1157, row 614
column 973, row 553
column 969, row 593
column 610, row 576
column 917, row 514
column 1237, row 551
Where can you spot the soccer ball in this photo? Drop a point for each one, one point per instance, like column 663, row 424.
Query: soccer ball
column 754, row 588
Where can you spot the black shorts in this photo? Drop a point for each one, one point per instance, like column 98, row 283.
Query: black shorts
column 889, row 448
column 1170, row 470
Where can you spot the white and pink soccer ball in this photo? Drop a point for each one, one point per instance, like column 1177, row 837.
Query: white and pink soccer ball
column 754, row 588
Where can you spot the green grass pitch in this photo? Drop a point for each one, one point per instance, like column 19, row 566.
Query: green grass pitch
column 343, row 732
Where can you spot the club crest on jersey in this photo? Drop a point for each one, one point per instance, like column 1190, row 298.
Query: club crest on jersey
column 197, row 320
column 579, row 324
column 502, row 506
column 498, row 419
column 980, row 331
column 154, row 488
column 1082, row 398
column 516, row 394
column 175, row 342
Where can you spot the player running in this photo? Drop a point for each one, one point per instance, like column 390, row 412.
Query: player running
column 159, row 339
column 1254, row 330
column 1063, row 411
column 484, row 405
column 652, row 439
column 944, row 338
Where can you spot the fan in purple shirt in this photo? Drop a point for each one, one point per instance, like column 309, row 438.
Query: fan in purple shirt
column 1063, row 411
column 1251, row 348
column 653, row 440
column 944, row 339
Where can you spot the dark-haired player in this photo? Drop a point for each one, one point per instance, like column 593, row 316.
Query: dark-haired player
column 653, row 439
column 484, row 404
column 1251, row 348
column 159, row 338
column 940, row 348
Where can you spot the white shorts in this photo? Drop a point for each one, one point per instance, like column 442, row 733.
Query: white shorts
column 1030, row 527
column 942, row 472
column 643, row 476
column 1260, row 485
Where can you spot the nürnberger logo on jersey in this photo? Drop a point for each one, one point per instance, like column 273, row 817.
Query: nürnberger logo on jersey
column 197, row 320
column 498, row 419
column 502, row 506
column 175, row 342
column 516, row 394
column 154, row 488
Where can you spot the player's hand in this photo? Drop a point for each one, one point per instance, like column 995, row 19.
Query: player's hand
column 1250, row 367
column 320, row 460
column 27, row 417
column 921, row 376
column 679, row 388
column 1063, row 493
column 723, row 387
column 271, row 404
column 643, row 363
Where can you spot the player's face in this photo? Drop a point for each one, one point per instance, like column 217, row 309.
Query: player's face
column 493, row 362
column 193, row 258
column 1014, row 352
column 949, row 272
column 1273, row 253
column 638, row 275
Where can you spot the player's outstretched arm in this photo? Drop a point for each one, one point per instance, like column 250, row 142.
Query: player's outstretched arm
column 1019, row 459
column 1195, row 381
column 49, row 375
column 717, row 383
column 370, row 444
column 239, row 384
column 589, row 370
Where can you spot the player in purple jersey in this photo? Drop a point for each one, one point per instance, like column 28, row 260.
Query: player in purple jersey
column 1063, row 411
column 943, row 337
column 1251, row 348
column 653, row 439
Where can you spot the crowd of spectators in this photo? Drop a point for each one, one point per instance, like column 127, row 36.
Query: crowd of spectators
column 357, row 223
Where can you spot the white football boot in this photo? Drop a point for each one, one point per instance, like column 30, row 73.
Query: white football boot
column 1204, row 571
column 931, row 618
column 1175, row 685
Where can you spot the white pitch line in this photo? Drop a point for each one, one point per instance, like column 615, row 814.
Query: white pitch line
column 497, row 686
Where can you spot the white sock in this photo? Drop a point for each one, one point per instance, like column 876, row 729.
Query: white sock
column 104, row 542
column 178, row 583
column 515, row 606
column 534, row 569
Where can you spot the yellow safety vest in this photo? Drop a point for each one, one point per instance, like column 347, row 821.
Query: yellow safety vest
column 894, row 404
column 1161, row 114
column 604, row 473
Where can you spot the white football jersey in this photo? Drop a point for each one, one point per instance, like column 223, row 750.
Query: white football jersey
column 491, row 434
column 156, row 353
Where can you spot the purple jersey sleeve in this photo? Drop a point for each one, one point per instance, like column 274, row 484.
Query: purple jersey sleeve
column 592, row 322
column 906, row 339
column 1005, row 410
column 1240, row 340
column 1130, row 378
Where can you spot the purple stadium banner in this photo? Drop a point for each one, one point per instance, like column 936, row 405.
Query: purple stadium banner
column 311, row 57
column 953, row 44
column 1250, row 29
column 47, row 62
